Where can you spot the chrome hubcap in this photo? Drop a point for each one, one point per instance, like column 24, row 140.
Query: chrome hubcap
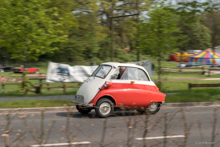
column 153, row 107
column 105, row 108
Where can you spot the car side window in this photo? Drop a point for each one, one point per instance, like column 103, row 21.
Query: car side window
column 142, row 76
column 115, row 74
column 130, row 73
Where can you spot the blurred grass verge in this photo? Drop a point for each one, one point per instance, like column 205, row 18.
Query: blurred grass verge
column 195, row 95
column 34, row 103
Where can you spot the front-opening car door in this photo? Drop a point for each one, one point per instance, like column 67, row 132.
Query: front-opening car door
column 94, row 83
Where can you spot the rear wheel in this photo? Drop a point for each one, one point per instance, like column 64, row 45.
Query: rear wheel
column 83, row 109
column 153, row 108
column 104, row 108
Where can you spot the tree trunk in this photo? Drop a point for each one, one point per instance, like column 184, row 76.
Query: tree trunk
column 137, row 39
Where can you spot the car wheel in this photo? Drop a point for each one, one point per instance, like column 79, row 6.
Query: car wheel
column 2, row 70
column 82, row 109
column 104, row 108
column 153, row 108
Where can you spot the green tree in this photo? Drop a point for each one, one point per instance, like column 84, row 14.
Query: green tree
column 211, row 20
column 196, row 35
column 28, row 29
column 83, row 31
column 124, row 24
column 158, row 33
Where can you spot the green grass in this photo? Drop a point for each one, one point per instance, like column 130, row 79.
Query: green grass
column 185, row 94
column 168, row 64
column 195, row 95
column 17, row 94
column 34, row 103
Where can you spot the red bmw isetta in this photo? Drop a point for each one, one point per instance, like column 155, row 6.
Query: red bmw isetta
column 115, row 85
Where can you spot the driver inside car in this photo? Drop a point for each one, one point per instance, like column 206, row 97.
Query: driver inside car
column 123, row 74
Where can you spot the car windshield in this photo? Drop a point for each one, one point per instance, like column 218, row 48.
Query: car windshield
column 102, row 71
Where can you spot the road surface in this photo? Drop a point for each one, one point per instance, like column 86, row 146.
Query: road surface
column 170, row 126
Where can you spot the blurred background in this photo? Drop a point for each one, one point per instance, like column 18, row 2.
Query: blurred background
column 86, row 31
column 90, row 32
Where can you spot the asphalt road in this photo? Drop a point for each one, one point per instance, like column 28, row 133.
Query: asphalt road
column 121, row 128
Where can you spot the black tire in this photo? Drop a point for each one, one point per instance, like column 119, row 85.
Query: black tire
column 83, row 109
column 104, row 108
column 153, row 108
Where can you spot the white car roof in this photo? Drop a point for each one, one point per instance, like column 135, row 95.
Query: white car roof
column 116, row 64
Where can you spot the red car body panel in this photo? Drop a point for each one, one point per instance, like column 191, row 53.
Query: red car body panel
column 131, row 95
column 29, row 70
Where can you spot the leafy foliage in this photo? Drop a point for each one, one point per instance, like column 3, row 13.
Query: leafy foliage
column 27, row 28
column 79, row 31
column 158, row 33
column 25, row 85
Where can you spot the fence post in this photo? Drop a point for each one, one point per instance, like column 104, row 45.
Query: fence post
column 64, row 87
column 180, row 70
column 23, row 84
column 189, row 85
column 48, row 89
column 203, row 71
column 3, row 87
column 40, row 80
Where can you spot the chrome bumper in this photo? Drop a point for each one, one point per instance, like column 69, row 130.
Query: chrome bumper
column 163, row 103
column 84, row 104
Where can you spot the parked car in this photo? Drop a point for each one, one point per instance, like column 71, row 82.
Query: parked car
column 181, row 65
column 29, row 70
column 105, row 92
column 190, row 64
column 6, row 68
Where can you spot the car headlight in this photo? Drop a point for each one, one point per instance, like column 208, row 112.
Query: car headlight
column 107, row 84
column 79, row 98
